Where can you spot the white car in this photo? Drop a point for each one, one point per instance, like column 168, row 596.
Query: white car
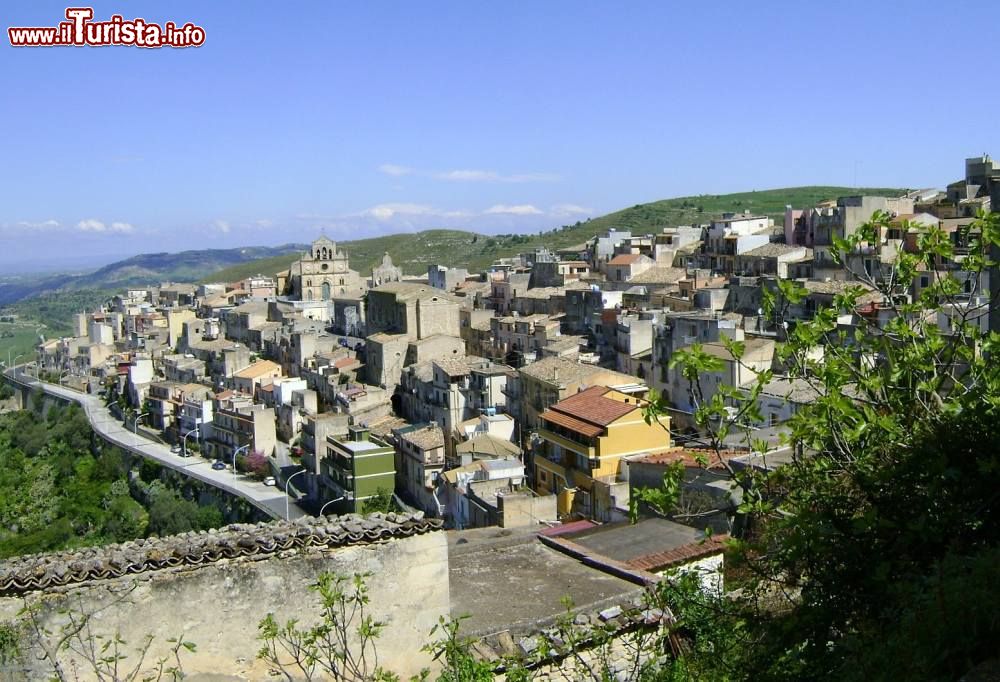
column 270, row 480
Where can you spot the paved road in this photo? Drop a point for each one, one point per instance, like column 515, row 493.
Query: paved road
column 267, row 498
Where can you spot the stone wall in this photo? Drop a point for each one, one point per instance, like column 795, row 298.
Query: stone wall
column 215, row 587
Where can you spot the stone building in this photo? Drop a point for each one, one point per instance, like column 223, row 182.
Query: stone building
column 416, row 310
column 385, row 272
column 323, row 273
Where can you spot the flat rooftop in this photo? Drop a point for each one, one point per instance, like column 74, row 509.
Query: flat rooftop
column 624, row 541
column 506, row 579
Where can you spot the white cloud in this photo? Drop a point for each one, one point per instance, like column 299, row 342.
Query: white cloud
column 94, row 225
column 389, row 211
column 43, row 225
column 519, row 209
column 222, row 226
column 472, row 175
column 571, row 209
column 394, row 170
column 91, row 225
column 466, row 174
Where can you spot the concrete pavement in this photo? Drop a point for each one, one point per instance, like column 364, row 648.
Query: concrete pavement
column 268, row 499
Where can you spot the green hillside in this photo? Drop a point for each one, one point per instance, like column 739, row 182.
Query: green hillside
column 415, row 251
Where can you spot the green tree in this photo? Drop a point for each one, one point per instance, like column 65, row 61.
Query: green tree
column 381, row 501
column 170, row 514
column 871, row 556
column 126, row 519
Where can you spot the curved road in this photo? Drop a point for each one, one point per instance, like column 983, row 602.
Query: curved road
column 268, row 499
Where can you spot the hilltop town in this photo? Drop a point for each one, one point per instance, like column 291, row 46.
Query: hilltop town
column 511, row 397
column 533, row 409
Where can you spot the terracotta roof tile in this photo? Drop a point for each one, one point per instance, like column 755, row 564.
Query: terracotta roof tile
column 689, row 456
column 659, row 561
column 591, row 406
column 625, row 259
column 572, row 423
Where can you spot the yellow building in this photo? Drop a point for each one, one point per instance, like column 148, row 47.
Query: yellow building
column 585, row 437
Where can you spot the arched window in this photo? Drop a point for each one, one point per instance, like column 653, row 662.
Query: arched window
column 326, row 291
column 309, row 295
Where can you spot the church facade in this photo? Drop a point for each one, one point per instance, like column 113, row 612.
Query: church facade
column 323, row 274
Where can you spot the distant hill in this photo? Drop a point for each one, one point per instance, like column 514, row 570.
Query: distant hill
column 415, row 251
column 149, row 268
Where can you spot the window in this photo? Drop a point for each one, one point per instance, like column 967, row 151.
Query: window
column 924, row 281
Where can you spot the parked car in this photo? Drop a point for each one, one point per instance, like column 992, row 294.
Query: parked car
column 175, row 448
column 270, row 480
column 218, row 465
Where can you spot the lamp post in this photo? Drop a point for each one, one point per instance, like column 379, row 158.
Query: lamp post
column 185, row 439
column 135, row 424
column 342, row 497
column 16, row 358
column 287, row 482
column 236, row 452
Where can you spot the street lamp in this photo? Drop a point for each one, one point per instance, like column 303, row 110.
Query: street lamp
column 185, row 441
column 16, row 358
column 287, row 482
column 342, row 497
column 236, row 452
column 135, row 424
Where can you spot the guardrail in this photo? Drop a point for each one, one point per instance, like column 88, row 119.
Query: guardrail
column 101, row 428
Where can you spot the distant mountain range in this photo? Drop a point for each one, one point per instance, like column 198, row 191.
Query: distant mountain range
column 148, row 268
column 416, row 250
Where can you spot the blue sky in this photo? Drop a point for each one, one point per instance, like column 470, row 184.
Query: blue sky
column 372, row 117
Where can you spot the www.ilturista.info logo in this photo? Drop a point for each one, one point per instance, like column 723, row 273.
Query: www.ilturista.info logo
column 79, row 30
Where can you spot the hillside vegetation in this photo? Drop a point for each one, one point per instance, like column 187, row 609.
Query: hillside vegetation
column 457, row 248
column 61, row 488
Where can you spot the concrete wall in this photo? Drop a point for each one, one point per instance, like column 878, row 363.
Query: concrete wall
column 519, row 510
column 218, row 606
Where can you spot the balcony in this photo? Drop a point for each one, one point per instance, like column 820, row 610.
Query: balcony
column 567, row 443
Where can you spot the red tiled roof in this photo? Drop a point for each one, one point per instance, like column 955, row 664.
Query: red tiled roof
column 571, row 527
column 659, row 561
column 591, row 405
column 625, row 259
column 689, row 456
column 572, row 423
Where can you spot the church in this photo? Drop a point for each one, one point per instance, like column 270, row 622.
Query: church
column 322, row 274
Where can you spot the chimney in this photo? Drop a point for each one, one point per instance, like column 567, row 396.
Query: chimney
column 357, row 433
